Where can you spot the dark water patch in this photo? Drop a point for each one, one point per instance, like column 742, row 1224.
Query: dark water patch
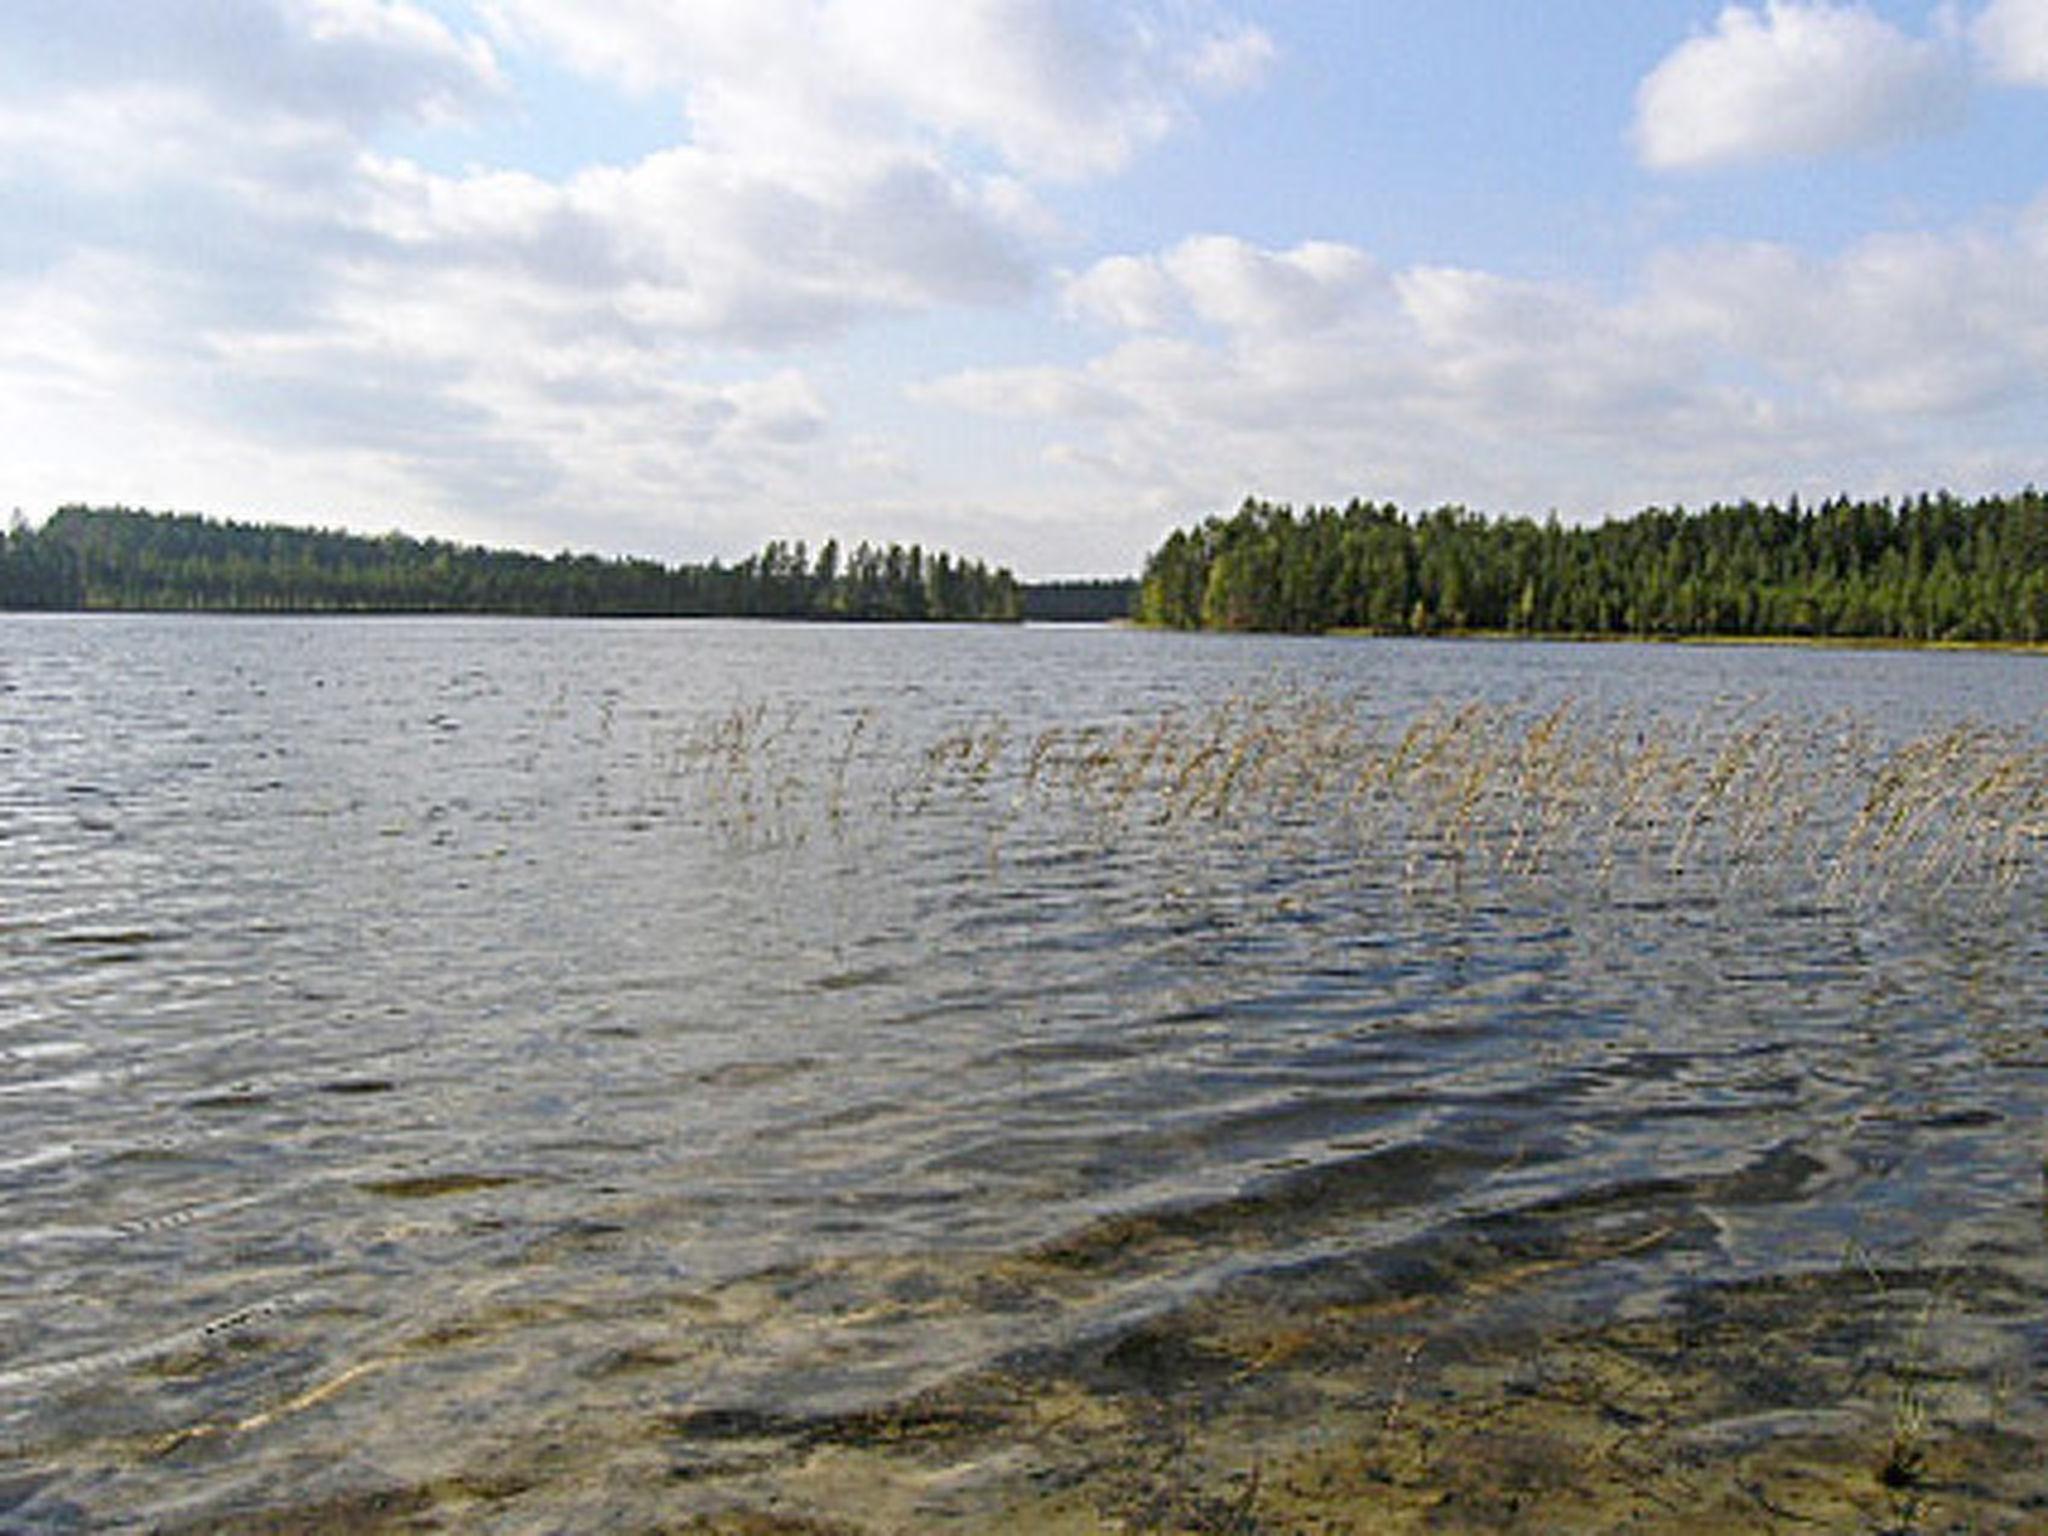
column 106, row 946
column 1157, row 1359
column 236, row 1099
column 760, row 1073
column 634, row 1360
column 1859, row 1295
column 1195, row 1014
column 716, row 1424
column 1782, row 1175
column 923, row 1417
column 578, row 1238
column 1278, row 1208
column 1960, row 1120
column 1072, row 1050
column 29, row 1506
column 856, row 980
column 435, row 1186
column 1706, row 1111
column 835, row 1117
column 1652, row 1066
column 104, row 938
column 1485, row 1260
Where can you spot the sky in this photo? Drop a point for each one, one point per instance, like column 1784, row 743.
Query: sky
column 1036, row 281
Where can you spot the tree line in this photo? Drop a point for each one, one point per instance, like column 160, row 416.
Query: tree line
column 119, row 558
column 1094, row 601
column 1931, row 567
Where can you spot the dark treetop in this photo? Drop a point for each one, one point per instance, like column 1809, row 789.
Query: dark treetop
column 1932, row 568
column 115, row 558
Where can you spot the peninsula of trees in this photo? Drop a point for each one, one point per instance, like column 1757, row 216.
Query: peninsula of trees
column 116, row 558
column 1932, row 568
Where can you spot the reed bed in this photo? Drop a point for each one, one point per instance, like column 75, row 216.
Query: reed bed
column 1459, row 792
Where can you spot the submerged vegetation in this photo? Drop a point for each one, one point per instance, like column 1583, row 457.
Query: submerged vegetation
column 1933, row 568
column 116, row 558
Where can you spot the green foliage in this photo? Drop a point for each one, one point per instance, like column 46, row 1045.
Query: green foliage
column 1086, row 602
column 115, row 558
column 1932, row 568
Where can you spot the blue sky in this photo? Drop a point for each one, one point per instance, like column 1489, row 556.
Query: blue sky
column 1036, row 280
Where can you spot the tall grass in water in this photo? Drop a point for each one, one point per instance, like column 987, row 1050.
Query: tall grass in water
column 1453, row 791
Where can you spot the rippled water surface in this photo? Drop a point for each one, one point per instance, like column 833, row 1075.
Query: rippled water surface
column 424, row 1043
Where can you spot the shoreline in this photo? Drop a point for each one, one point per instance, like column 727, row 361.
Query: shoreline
column 1567, row 637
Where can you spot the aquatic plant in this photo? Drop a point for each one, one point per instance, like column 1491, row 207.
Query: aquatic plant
column 1461, row 792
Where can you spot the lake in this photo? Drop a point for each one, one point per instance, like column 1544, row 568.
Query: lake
column 520, row 1075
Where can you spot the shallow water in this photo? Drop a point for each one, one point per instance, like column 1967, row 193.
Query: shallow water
column 424, row 1044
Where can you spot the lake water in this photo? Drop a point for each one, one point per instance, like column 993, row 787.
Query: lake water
column 439, row 1051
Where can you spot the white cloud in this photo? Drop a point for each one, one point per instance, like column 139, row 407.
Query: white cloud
column 1222, row 281
column 649, row 44
column 351, row 62
column 1026, row 394
column 1232, row 284
column 2012, row 38
column 1800, row 78
column 1906, row 329
column 1133, row 292
column 1901, row 362
column 223, row 262
column 688, row 246
column 1234, row 60
column 1059, row 88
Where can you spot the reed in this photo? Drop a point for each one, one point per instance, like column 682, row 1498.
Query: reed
column 1570, row 796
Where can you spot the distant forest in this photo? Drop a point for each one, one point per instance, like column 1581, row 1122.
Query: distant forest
column 1928, row 569
column 1081, row 602
column 117, row 558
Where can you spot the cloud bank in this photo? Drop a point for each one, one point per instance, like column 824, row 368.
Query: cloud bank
column 1058, row 88
column 219, row 257
column 1743, row 369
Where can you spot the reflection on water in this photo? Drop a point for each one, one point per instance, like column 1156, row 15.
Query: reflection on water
column 487, row 1065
